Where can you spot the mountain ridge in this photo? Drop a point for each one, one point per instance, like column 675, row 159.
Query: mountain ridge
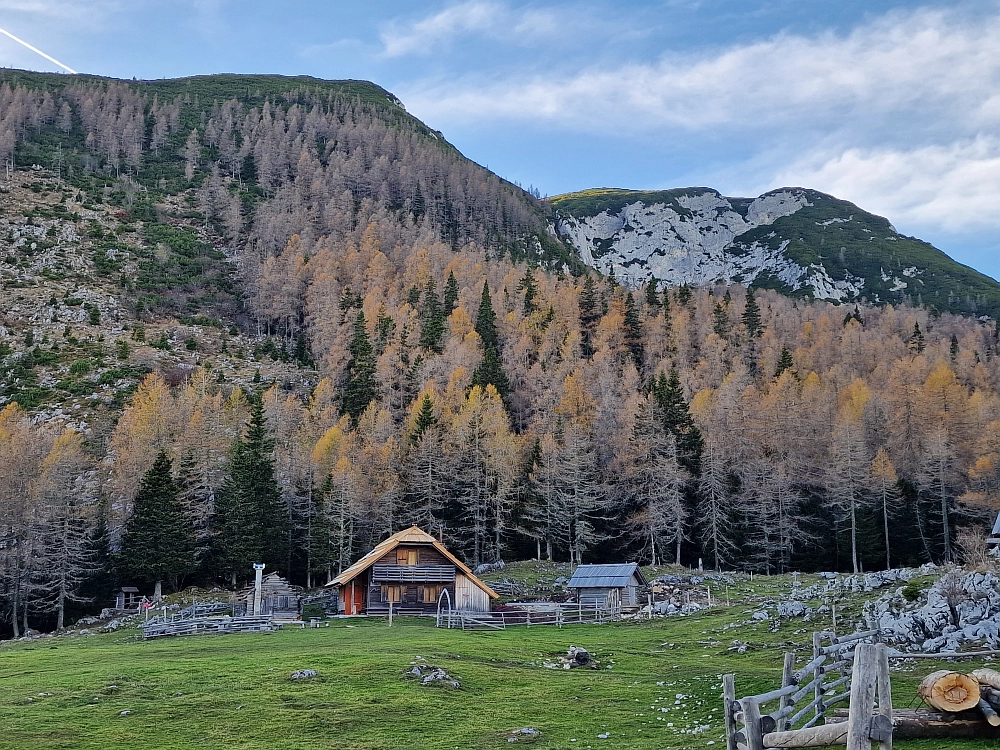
column 796, row 240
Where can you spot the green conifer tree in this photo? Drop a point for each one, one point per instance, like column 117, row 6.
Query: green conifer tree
column 954, row 347
column 362, row 387
column 450, row 294
column 916, row 343
column 720, row 320
column 486, row 321
column 684, row 295
column 431, row 319
column 669, row 395
column 652, row 295
column 425, row 418
column 490, row 372
column 784, row 362
column 588, row 302
column 158, row 543
column 751, row 315
column 633, row 329
column 530, row 289
column 250, row 516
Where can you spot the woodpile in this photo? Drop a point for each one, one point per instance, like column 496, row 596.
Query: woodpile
column 949, row 691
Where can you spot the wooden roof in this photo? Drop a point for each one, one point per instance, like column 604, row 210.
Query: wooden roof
column 412, row 535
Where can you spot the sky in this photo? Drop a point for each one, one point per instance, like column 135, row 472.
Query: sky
column 892, row 105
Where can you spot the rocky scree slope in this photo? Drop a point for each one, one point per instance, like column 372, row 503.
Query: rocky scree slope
column 798, row 241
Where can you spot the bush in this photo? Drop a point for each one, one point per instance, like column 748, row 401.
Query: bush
column 80, row 367
column 912, row 591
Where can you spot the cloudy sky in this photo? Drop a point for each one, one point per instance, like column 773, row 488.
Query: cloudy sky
column 893, row 105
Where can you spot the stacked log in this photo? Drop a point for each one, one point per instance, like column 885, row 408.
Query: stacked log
column 950, row 691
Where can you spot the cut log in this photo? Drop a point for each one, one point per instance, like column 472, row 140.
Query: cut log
column 923, row 724
column 949, row 691
column 991, row 696
column 986, row 676
column 988, row 713
column 827, row 734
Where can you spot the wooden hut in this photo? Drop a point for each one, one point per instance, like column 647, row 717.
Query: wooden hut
column 600, row 585
column 278, row 599
column 128, row 598
column 409, row 570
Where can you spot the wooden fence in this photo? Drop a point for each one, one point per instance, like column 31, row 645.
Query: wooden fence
column 528, row 615
column 847, row 668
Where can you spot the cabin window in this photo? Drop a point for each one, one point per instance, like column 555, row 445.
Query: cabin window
column 428, row 594
column 406, row 557
column 392, row 594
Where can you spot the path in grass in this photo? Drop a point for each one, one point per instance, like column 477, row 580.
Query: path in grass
column 234, row 691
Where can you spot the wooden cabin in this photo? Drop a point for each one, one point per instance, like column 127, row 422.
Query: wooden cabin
column 599, row 585
column 128, row 598
column 410, row 570
column 278, row 599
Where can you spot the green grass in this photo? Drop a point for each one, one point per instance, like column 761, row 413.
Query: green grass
column 235, row 691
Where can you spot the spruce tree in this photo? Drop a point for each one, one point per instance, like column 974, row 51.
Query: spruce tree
column 677, row 420
column 530, row 289
column 158, row 543
column 684, row 295
column 751, row 315
column 250, row 517
column 588, row 302
column 450, row 294
column 361, row 388
column 633, row 329
column 652, row 295
column 432, row 319
column 425, row 418
column 490, row 372
column 486, row 320
column 916, row 344
column 720, row 320
column 954, row 347
column 784, row 362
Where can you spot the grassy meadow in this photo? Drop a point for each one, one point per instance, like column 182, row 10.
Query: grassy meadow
column 658, row 686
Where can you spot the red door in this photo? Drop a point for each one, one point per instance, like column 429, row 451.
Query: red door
column 354, row 599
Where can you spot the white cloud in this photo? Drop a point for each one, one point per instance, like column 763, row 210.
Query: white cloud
column 492, row 20
column 954, row 187
column 923, row 61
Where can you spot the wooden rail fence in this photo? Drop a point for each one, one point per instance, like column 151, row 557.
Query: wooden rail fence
column 847, row 668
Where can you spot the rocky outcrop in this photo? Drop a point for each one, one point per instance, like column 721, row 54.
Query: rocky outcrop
column 958, row 609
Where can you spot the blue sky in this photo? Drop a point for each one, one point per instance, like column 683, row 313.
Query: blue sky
column 892, row 105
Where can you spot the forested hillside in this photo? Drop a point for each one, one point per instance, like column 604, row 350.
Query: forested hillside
column 268, row 319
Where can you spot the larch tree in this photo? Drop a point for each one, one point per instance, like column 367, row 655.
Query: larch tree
column 884, row 484
column 64, row 548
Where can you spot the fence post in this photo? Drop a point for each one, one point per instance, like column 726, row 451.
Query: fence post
column 751, row 719
column 728, row 698
column 818, row 690
column 860, row 709
column 786, row 679
column 884, row 692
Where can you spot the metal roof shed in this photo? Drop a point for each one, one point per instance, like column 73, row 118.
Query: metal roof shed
column 595, row 583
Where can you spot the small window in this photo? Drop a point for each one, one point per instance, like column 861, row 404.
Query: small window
column 429, row 594
column 393, row 594
column 406, row 557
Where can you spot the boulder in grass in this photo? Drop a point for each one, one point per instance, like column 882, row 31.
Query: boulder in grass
column 303, row 674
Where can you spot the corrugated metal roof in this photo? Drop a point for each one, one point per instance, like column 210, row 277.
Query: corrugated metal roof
column 605, row 576
column 996, row 526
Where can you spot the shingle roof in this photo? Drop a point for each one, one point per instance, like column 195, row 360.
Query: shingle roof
column 605, row 576
column 412, row 535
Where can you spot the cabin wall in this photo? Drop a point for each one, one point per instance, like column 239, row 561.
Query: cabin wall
column 469, row 597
